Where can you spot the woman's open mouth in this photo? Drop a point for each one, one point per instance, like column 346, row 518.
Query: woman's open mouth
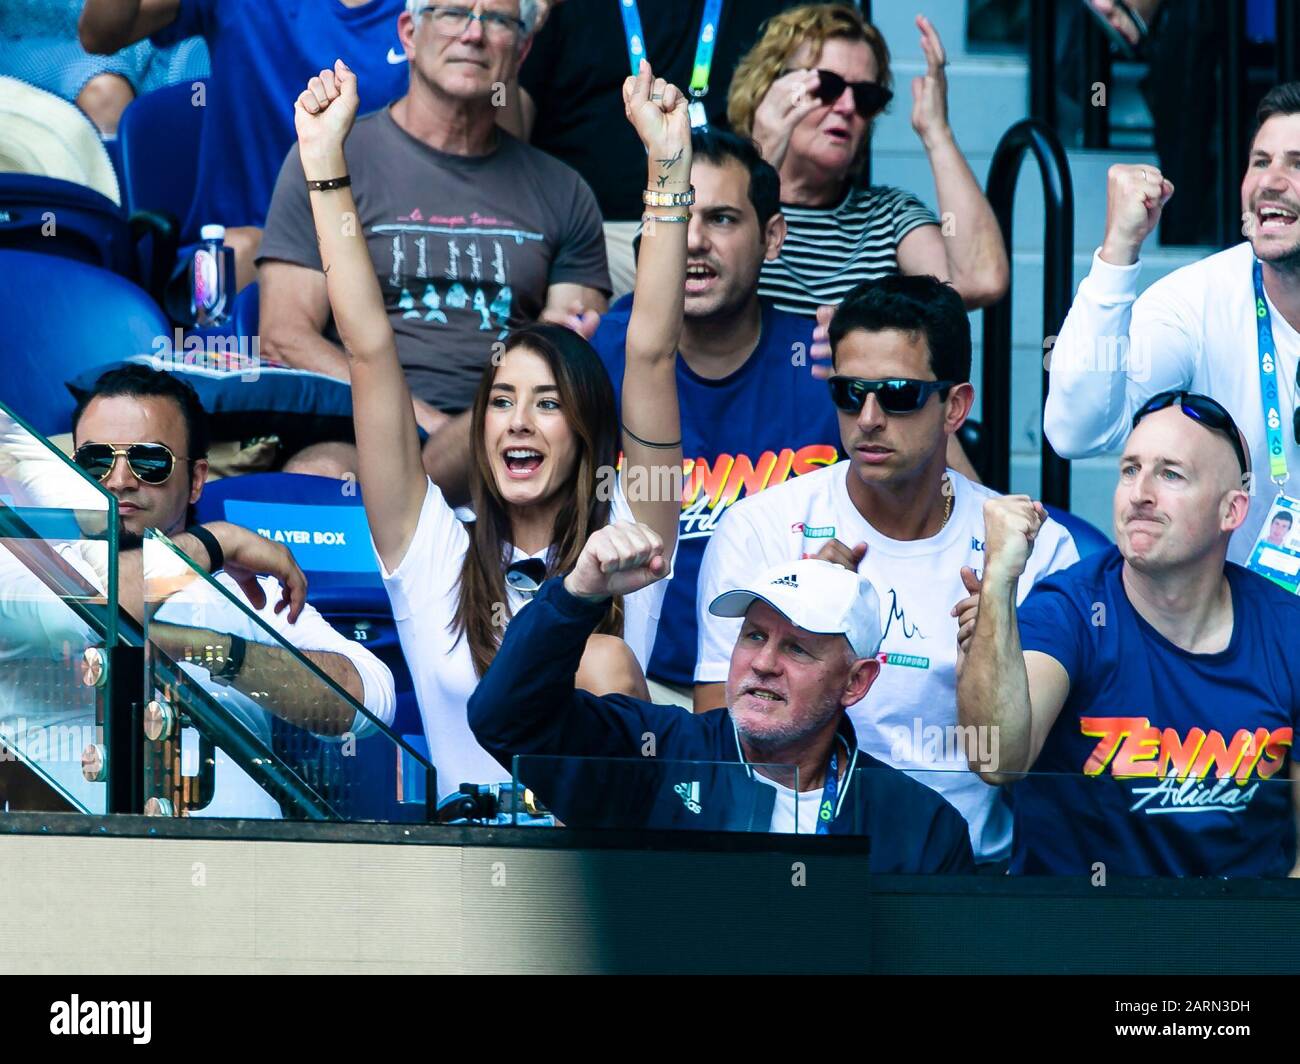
column 522, row 462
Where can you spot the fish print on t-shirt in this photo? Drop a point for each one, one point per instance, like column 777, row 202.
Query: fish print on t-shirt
column 443, row 266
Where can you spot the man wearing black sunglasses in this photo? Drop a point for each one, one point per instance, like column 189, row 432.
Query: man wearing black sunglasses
column 143, row 435
column 809, row 93
column 901, row 385
column 1152, row 689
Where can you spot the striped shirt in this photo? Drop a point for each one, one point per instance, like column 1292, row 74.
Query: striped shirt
column 830, row 250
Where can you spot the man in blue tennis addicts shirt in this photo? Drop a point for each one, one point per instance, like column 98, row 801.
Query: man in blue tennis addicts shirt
column 752, row 413
column 1152, row 688
column 263, row 53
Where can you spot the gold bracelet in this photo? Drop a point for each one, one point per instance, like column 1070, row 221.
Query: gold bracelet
column 665, row 218
column 654, row 198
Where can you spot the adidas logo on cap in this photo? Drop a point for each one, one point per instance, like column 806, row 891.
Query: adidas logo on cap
column 788, row 580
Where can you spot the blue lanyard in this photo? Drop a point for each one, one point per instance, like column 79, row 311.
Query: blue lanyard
column 703, row 48
column 1268, row 383
column 826, row 811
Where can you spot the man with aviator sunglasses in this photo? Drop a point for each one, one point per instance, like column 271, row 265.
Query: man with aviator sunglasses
column 142, row 434
column 1153, row 688
column 894, row 511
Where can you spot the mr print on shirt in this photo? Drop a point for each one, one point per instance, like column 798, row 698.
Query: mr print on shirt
column 1169, row 773
column 812, row 537
column 442, row 266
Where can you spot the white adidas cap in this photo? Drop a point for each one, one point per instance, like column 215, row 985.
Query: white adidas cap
column 817, row 596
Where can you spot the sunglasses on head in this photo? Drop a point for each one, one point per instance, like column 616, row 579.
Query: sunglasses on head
column 1199, row 408
column 869, row 98
column 895, row 396
column 527, row 575
column 151, row 463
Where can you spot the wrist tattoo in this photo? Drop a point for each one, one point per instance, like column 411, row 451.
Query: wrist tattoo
column 672, row 161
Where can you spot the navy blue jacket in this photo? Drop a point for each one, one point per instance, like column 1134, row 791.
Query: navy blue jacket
column 526, row 706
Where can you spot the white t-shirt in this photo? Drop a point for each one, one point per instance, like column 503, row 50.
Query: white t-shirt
column 783, row 818
column 1193, row 329
column 424, row 593
column 909, row 715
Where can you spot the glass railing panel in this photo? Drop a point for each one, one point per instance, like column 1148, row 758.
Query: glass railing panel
column 263, row 719
column 58, row 617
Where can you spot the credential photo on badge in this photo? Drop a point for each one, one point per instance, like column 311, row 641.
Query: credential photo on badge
column 1276, row 553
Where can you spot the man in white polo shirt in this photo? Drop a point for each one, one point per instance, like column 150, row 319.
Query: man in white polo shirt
column 1225, row 326
column 901, row 354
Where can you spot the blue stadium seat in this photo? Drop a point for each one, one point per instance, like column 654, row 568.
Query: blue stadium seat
column 60, row 317
column 246, row 311
column 54, row 217
column 63, row 218
column 158, row 140
column 323, row 523
column 1087, row 537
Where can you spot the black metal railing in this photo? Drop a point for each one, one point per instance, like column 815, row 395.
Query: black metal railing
column 1230, row 100
column 1097, row 74
column 1230, row 119
column 1034, row 137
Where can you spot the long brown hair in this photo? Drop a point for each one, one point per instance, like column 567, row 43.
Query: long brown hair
column 587, row 401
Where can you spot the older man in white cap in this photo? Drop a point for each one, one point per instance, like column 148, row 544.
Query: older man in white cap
column 781, row 756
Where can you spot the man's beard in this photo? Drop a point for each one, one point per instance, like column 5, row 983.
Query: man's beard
column 791, row 733
column 1286, row 261
column 126, row 539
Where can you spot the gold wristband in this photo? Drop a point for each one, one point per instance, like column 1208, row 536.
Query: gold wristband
column 654, row 198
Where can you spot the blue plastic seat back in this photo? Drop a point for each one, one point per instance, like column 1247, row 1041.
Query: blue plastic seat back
column 61, row 317
column 158, row 139
column 1088, row 538
column 246, row 311
column 322, row 521
column 54, row 217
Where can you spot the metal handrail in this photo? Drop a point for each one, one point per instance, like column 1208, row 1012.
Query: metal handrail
column 1037, row 138
column 1231, row 103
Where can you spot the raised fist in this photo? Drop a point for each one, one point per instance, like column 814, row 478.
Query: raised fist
column 1010, row 524
column 617, row 560
column 324, row 112
column 1135, row 196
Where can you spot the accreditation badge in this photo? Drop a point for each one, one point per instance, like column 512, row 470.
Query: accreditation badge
column 1276, row 553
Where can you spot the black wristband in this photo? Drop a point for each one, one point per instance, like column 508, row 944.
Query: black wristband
column 648, row 443
column 329, row 183
column 235, row 662
column 216, row 556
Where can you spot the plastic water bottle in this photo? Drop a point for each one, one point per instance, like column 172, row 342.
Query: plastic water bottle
column 211, row 278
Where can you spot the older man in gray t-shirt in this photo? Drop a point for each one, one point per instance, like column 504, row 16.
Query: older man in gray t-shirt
column 464, row 246
column 471, row 231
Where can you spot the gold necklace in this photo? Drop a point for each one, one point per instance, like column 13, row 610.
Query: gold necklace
column 947, row 506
